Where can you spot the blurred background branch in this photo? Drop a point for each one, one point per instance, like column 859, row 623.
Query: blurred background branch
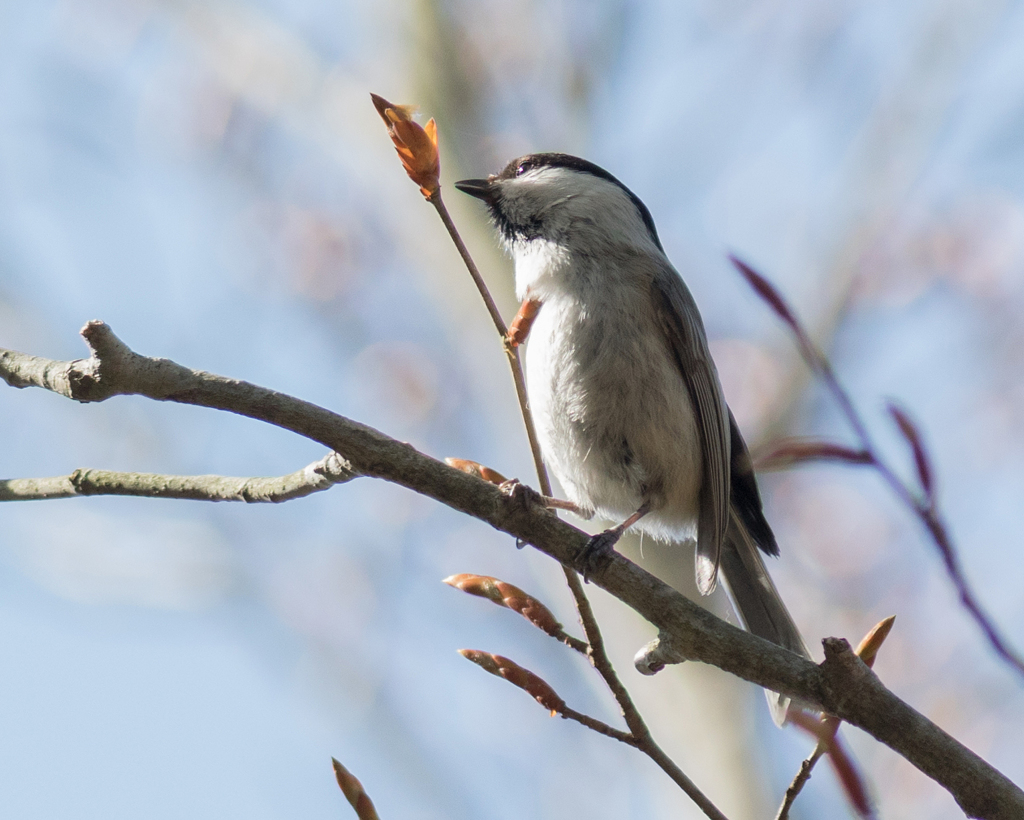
column 919, row 497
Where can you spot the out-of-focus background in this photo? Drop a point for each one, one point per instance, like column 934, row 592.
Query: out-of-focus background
column 211, row 179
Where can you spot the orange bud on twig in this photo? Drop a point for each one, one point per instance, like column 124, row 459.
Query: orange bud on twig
column 479, row 470
column 416, row 144
column 354, row 793
column 868, row 648
column 520, row 327
column 518, row 676
column 508, row 595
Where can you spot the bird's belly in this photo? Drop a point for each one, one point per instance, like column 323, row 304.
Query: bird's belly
column 615, row 419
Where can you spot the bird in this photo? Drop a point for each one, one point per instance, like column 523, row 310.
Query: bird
column 629, row 409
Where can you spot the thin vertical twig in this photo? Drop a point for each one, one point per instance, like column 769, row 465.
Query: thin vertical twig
column 639, row 731
column 511, row 352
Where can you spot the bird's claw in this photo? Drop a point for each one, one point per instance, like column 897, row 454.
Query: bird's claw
column 522, row 498
column 597, row 552
column 520, row 495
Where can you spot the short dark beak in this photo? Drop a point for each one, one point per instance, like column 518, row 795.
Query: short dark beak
column 480, row 188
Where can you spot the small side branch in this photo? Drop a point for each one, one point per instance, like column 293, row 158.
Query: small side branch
column 598, row 726
column 799, row 781
column 321, row 475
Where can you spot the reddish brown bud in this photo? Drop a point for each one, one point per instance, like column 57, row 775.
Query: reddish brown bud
column 416, row 144
column 520, row 327
column 766, row 290
column 850, row 777
column 518, row 676
column 824, row 730
column 510, row 596
column 868, row 648
column 354, row 793
column 479, row 470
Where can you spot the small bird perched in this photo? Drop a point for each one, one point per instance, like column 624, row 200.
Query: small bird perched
column 625, row 396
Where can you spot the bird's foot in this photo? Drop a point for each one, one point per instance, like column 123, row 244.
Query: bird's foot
column 599, row 548
column 521, row 496
column 597, row 552
column 522, row 499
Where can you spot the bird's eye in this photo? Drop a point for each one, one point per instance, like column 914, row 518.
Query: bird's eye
column 523, row 168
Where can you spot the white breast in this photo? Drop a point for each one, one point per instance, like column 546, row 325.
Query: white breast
column 613, row 413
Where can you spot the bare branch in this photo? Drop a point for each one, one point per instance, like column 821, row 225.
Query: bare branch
column 826, row 731
column 799, row 781
column 514, row 362
column 842, row 686
column 598, row 726
column 313, row 478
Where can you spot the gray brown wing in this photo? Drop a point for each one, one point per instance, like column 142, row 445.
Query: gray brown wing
column 746, row 500
column 684, row 333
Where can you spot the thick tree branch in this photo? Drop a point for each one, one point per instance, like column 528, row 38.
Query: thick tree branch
column 842, row 686
column 313, row 478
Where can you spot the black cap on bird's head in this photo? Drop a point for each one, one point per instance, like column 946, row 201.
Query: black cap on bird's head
column 523, row 214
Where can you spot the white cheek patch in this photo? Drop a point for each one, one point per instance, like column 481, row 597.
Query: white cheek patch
column 536, row 259
column 563, row 200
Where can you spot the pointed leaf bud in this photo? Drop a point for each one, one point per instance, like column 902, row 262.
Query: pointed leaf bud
column 520, row 327
column 508, row 595
column 416, row 145
column 354, row 793
column 868, row 648
column 479, row 470
column 518, row 676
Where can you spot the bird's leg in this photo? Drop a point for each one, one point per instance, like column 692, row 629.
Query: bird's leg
column 568, row 506
column 603, row 543
column 526, row 497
